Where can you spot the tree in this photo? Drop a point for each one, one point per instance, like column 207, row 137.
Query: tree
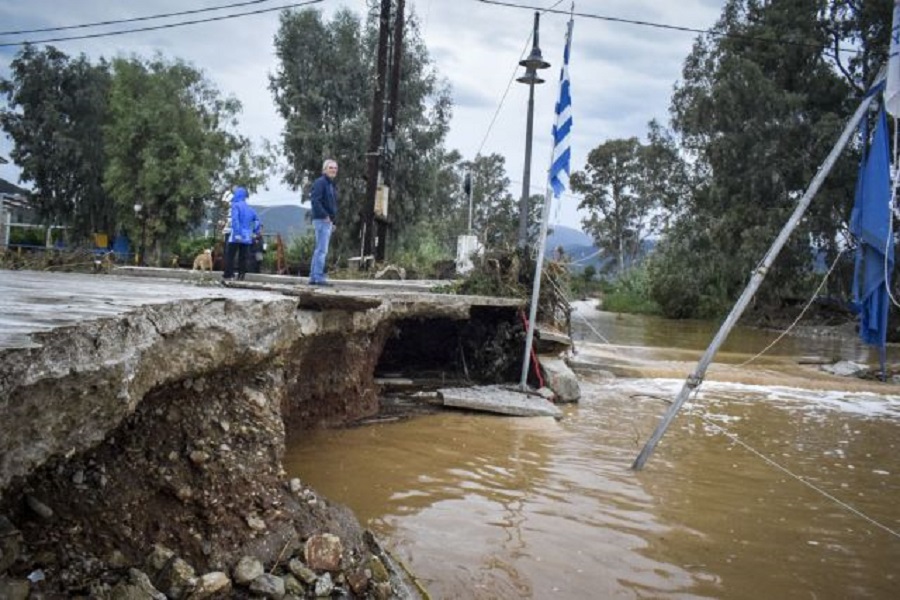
column 859, row 36
column 324, row 107
column 55, row 115
column 168, row 145
column 760, row 106
column 495, row 212
column 445, row 217
column 665, row 179
column 610, row 185
column 327, row 112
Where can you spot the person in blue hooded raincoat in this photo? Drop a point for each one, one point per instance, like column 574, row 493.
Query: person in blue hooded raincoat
column 244, row 227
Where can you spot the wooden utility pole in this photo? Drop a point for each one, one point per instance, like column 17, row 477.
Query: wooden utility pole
column 382, row 221
column 376, row 133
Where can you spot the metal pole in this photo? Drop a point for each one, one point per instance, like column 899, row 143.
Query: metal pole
column 143, row 239
column 696, row 378
column 536, row 287
column 526, row 175
column 469, row 192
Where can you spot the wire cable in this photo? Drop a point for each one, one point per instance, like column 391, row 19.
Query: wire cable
column 793, row 475
column 712, row 32
column 582, row 317
column 133, row 20
column 812, row 299
column 158, row 27
column 503, row 98
column 772, row 463
column 509, row 83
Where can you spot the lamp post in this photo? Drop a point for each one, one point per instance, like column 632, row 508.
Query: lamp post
column 140, row 214
column 532, row 63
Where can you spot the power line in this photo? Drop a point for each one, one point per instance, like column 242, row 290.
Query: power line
column 158, row 27
column 503, row 98
column 509, row 85
column 711, row 32
column 132, row 20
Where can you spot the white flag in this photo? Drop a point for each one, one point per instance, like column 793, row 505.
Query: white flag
column 892, row 87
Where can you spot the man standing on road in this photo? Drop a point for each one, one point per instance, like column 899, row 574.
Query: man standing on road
column 323, row 198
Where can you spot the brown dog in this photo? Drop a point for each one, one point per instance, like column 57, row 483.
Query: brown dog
column 203, row 261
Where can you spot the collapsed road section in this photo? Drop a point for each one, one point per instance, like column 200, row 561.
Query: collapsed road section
column 143, row 422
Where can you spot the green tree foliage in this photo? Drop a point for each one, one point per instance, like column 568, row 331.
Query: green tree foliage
column 630, row 191
column 494, row 211
column 423, row 120
column 617, row 214
column 169, row 147
column 55, row 115
column 859, row 37
column 323, row 89
column 758, row 110
column 443, row 219
column 97, row 139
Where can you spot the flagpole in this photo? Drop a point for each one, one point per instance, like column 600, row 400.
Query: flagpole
column 542, row 241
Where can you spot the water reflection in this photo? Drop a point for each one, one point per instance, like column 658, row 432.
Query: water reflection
column 592, row 325
column 493, row 507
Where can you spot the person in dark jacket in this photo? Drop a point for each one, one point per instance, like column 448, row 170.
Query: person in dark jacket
column 323, row 197
column 244, row 226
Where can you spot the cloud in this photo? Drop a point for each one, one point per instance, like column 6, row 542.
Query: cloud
column 622, row 75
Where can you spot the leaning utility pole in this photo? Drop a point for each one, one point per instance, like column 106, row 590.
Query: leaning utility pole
column 376, row 133
column 696, row 378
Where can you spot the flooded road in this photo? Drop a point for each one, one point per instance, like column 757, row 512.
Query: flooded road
column 756, row 491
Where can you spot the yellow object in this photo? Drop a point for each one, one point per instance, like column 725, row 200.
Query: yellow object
column 381, row 201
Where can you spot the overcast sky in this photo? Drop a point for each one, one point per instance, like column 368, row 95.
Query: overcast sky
column 622, row 74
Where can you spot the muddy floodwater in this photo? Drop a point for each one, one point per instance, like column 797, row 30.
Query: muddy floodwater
column 756, row 491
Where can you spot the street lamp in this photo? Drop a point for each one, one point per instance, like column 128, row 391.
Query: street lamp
column 140, row 214
column 532, row 63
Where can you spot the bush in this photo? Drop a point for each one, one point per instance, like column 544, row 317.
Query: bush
column 183, row 251
column 631, row 293
column 585, row 283
column 20, row 236
column 298, row 255
column 420, row 251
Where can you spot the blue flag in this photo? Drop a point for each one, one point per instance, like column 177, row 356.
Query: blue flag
column 870, row 224
column 562, row 128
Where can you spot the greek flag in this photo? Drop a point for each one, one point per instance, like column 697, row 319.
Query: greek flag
column 562, row 128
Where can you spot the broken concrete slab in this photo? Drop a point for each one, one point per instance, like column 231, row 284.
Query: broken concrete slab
column 499, row 399
column 560, row 378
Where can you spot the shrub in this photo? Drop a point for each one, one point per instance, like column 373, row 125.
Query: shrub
column 631, row 292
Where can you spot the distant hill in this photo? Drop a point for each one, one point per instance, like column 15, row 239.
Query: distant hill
column 288, row 220
column 566, row 236
column 578, row 247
